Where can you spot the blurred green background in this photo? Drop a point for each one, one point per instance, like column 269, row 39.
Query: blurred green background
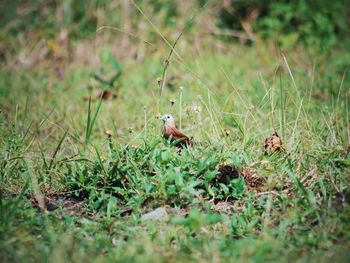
column 315, row 24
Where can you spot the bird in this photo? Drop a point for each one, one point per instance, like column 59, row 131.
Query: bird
column 170, row 131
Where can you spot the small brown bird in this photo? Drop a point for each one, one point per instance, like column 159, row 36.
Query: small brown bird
column 170, row 131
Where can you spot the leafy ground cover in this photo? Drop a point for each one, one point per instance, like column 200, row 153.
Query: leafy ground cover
column 86, row 175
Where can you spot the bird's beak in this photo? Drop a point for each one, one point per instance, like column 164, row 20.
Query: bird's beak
column 162, row 119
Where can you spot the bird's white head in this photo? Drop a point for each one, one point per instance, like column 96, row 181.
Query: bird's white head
column 168, row 120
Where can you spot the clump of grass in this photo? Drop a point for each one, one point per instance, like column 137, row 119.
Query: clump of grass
column 156, row 172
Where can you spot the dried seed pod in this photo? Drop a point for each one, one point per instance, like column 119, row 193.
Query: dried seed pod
column 273, row 144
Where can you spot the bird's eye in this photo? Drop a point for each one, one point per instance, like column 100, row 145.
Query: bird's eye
column 168, row 117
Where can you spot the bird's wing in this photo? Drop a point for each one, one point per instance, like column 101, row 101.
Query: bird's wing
column 175, row 134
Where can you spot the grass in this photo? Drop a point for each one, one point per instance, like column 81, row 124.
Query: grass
column 54, row 144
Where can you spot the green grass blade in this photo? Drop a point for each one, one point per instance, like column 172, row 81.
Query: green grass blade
column 95, row 116
column 101, row 164
column 56, row 150
column 87, row 135
column 91, row 121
